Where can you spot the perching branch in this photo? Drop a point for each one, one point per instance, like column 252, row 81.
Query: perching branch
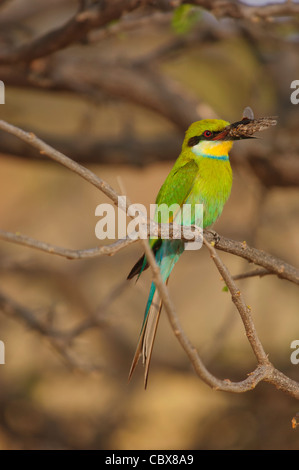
column 271, row 264
column 264, row 370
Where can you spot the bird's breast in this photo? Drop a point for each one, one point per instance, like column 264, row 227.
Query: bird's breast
column 211, row 188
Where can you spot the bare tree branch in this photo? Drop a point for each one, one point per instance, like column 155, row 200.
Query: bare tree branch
column 260, row 272
column 264, row 370
column 272, row 265
column 143, row 86
column 281, row 170
column 99, row 14
column 59, row 157
column 240, row 304
column 65, row 252
column 60, row 339
column 238, row 9
column 102, row 13
column 253, row 255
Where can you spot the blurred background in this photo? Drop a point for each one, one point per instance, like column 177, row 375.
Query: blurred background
column 117, row 94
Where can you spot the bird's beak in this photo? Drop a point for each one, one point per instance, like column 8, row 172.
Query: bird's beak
column 236, row 131
column 245, row 128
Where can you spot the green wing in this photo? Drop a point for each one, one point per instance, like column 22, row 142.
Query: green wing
column 177, row 186
column 175, row 190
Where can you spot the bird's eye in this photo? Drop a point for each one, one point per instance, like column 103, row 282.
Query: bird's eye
column 207, row 134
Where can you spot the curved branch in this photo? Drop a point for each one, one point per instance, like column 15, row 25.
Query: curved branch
column 253, row 255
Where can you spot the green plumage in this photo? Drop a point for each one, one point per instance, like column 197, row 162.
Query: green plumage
column 201, row 174
column 196, row 179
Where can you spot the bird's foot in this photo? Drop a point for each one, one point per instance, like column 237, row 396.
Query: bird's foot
column 216, row 237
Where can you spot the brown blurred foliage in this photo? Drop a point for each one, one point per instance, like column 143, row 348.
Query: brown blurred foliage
column 118, row 96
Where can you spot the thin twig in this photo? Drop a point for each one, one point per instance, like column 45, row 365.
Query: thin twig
column 66, row 252
column 59, row 157
column 255, row 272
column 240, row 304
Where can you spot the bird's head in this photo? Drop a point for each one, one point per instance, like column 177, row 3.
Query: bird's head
column 212, row 137
column 215, row 137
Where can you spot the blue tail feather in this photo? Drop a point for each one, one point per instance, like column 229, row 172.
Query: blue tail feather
column 166, row 257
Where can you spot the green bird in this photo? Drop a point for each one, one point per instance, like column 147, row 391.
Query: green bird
column 201, row 175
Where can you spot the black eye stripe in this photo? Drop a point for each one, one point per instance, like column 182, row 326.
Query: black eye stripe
column 197, row 138
column 193, row 141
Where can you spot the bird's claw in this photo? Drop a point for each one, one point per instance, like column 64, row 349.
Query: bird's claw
column 216, row 237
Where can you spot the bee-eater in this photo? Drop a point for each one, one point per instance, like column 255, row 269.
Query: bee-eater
column 201, row 175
